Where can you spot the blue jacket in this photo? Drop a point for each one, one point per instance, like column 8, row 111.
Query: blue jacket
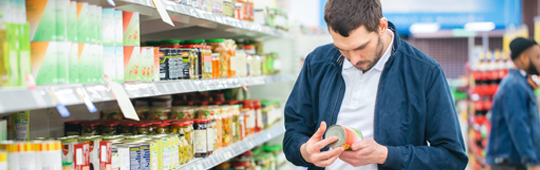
column 414, row 106
column 515, row 124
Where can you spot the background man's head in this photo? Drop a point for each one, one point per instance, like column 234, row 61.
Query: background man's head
column 526, row 55
column 358, row 28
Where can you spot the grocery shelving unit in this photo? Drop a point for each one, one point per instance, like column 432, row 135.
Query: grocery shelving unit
column 191, row 23
column 22, row 98
column 235, row 149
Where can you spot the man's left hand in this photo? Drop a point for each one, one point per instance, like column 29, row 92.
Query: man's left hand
column 367, row 151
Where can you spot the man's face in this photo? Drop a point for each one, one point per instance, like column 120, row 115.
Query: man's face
column 362, row 48
column 534, row 60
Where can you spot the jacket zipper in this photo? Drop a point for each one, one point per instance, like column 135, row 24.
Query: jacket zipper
column 337, row 98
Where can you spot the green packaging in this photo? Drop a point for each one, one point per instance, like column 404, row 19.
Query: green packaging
column 25, row 67
column 44, row 56
column 72, row 22
column 131, row 29
column 83, row 23
column 42, row 18
column 108, row 26
column 86, row 69
column 64, row 49
column 62, row 8
column 118, row 29
column 4, row 64
column 133, row 71
column 99, row 64
column 98, row 23
column 73, row 65
column 12, row 54
column 20, row 11
column 92, row 23
column 119, row 56
column 21, row 122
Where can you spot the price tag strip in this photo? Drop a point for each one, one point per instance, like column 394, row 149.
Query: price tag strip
column 162, row 12
column 84, row 97
column 64, row 112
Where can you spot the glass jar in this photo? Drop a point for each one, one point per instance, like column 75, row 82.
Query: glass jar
column 216, row 124
column 160, row 128
column 249, row 66
column 264, row 67
column 259, row 124
column 272, row 63
column 249, row 117
column 142, row 112
column 109, row 129
column 184, row 149
column 196, row 61
column 126, row 128
column 112, row 114
column 141, row 128
column 161, row 113
column 218, row 47
column 200, row 143
column 241, row 63
column 184, row 62
column 230, row 58
column 206, row 54
column 72, row 128
column 255, row 65
column 226, row 125
column 215, row 66
column 176, row 69
column 90, row 129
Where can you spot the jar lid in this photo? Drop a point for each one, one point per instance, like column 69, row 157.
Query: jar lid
column 175, row 46
column 161, row 125
column 171, row 41
column 249, row 46
column 202, row 120
column 216, row 40
column 126, row 124
column 194, row 41
column 74, row 122
column 232, row 102
column 180, row 123
column 90, row 124
column 109, row 124
column 141, row 125
column 192, row 46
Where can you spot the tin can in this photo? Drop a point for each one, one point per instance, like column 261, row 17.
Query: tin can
column 346, row 136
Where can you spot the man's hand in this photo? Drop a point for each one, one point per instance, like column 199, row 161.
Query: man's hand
column 534, row 168
column 311, row 150
column 367, row 151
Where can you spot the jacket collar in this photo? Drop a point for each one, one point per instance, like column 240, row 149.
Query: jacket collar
column 397, row 41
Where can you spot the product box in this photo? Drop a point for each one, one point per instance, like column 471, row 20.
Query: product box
column 131, row 29
column 100, row 154
column 119, row 56
column 21, row 125
column 41, row 15
column 147, row 62
column 83, row 23
column 109, row 62
column 135, row 157
column 64, row 49
column 81, row 158
column 73, row 64
column 118, row 28
column 115, row 158
column 20, row 8
column 133, row 70
column 145, row 156
column 99, row 29
column 92, row 23
column 11, row 51
column 123, row 154
column 155, row 67
column 108, row 26
column 86, row 67
column 62, row 8
column 72, row 30
column 154, row 159
column 25, row 67
column 48, row 155
column 98, row 57
column 44, row 60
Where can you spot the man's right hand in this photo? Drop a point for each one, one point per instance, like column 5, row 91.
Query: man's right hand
column 311, row 150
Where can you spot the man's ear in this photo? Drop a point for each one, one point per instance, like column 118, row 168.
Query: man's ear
column 383, row 25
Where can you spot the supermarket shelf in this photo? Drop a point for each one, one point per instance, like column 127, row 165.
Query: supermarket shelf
column 191, row 23
column 229, row 152
column 13, row 99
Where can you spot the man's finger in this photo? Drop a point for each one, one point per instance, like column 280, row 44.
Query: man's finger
column 328, row 162
column 321, row 144
column 347, row 156
column 328, row 154
column 361, row 145
column 320, row 131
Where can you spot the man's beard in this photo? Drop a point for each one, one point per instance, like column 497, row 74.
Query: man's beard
column 379, row 51
column 532, row 68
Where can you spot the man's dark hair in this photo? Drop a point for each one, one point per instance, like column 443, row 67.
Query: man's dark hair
column 344, row 16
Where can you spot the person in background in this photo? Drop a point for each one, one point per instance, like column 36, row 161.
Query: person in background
column 371, row 80
column 514, row 140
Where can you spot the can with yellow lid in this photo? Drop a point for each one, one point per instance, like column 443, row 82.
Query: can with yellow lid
column 18, row 151
column 3, row 160
column 346, row 136
column 48, row 155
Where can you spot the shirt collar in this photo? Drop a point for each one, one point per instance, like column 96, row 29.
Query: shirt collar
column 382, row 61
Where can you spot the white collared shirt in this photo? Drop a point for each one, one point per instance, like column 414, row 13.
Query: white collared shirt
column 358, row 106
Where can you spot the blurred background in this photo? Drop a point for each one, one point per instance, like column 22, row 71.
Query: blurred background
column 172, row 64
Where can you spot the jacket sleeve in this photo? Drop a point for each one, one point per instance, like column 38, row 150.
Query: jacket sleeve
column 516, row 112
column 298, row 117
column 446, row 149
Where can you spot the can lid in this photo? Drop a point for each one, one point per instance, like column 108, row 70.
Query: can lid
column 161, row 125
column 337, row 131
column 194, row 41
column 216, row 40
column 141, row 125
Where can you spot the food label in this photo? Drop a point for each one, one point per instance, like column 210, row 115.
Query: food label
column 210, row 138
column 115, row 159
column 135, row 157
column 250, row 123
column 145, row 157
column 199, row 141
column 233, row 63
column 166, row 157
column 207, row 64
column 260, row 118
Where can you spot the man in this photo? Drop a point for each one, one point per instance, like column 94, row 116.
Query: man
column 371, row 80
column 514, row 140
